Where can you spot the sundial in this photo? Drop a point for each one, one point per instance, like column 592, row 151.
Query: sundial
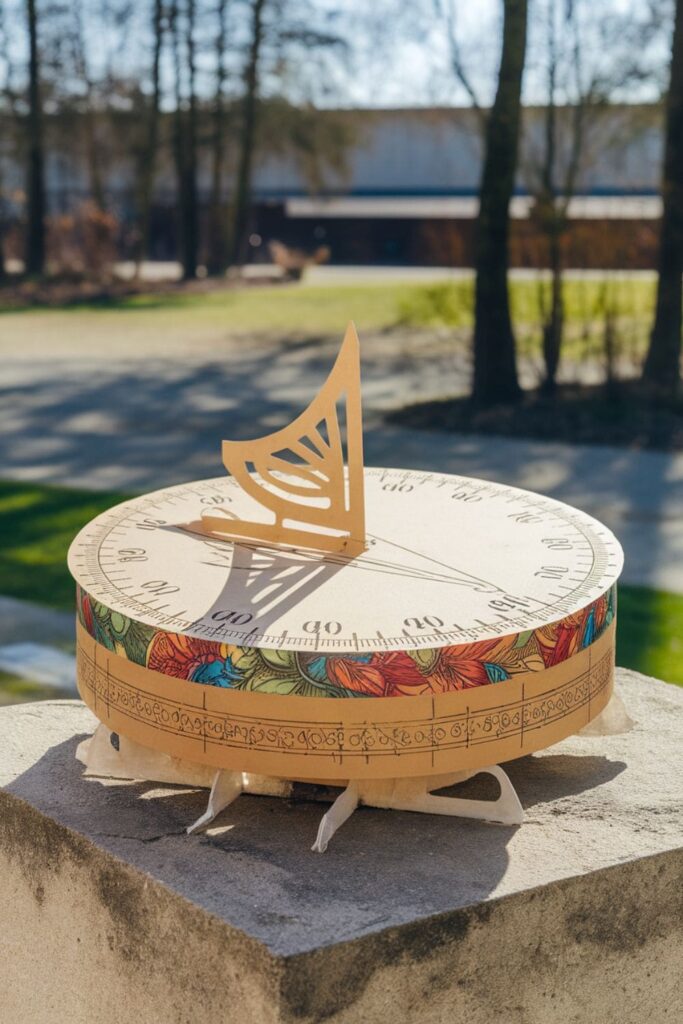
column 309, row 618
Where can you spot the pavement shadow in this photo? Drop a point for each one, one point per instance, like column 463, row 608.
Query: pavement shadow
column 546, row 777
column 136, row 425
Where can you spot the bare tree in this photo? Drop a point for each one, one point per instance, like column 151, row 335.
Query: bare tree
column 147, row 151
column 242, row 198
column 35, row 185
column 122, row 78
column 10, row 115
column 89, row 115
column 190, row 232
column 217, row 235
column 286, row 41
column 662, row 365
column 580, row 80
column 446, row 13
column 495, row 370
column 182, row 23
column 553, row 178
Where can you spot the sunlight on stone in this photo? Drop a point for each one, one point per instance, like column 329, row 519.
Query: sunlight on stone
column 218, row 830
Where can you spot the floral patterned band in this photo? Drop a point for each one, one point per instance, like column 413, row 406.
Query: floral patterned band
column 380, row 674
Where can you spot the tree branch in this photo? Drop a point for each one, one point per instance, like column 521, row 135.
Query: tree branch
column 444, row 10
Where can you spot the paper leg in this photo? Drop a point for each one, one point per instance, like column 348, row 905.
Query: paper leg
column 342, row 809
column 226, row 787
column 613, row 720
column 506, row 810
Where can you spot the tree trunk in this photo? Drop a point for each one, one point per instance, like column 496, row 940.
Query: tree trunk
column 89, row 114
column 495, row 371
column 3, row 268
column 242, row 202
column 662, row 365
column 3, row 228
column 217, row 240
column 147, row 169
column 35, row 186
column 93, row 157
column 191, row 206
column 553, row 323
column 185, row 142
column 553, row 327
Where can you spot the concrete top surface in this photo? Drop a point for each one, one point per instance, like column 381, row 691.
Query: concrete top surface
column 591, row 803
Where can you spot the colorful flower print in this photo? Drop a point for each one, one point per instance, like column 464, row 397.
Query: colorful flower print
column 381, row 674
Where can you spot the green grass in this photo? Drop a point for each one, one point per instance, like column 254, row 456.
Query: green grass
column 311, row 311
column 37, row 524
column 587, row 302
column 14, row 690
column 650, row 632
column 285, row 309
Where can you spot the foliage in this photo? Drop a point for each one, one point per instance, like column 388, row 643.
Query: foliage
column 114, row 94
column 444, row 304
column 83, row 242
column 620, row 302
column 624, row 302
column 650, row 632
column 14, row 690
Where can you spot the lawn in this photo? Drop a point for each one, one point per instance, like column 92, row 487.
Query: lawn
column 306, row 310
column 650, row 632
column 37, row 523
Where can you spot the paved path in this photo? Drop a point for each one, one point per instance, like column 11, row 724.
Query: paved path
column 326, row 274
column 22, row 621
column 152, row 412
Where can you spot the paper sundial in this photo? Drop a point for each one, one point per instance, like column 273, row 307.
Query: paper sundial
column 308, row 618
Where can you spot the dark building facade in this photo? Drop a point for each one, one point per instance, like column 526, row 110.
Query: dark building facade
column 409, row 195
column 408, row 192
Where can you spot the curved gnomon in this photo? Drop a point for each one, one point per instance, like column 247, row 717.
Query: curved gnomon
column 300, row 475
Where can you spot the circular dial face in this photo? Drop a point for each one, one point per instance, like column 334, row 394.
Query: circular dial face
column 449, row 560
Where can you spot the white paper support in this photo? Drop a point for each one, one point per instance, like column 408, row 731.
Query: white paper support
column 340, row 811
column 417, row 795
column 225, row 788
column 126, row 759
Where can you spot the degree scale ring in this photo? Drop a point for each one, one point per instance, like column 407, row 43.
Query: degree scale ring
column 451, row 560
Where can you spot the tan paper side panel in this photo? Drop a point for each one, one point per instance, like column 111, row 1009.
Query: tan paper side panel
column 325, row 739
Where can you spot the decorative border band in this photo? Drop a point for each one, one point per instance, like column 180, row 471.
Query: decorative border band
column 382, row 674
column 320, row 739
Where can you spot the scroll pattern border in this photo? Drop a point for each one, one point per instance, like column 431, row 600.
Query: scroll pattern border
column 340, row 740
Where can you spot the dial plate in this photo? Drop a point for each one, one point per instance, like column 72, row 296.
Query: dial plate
column 450, row 560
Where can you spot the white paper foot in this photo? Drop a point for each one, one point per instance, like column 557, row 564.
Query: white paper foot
column 506, row 810
column 416, row 795
column 613, row 720
column 340, row 811
column 226, row 787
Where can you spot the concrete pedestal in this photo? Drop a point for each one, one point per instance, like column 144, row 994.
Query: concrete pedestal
column 112, row 914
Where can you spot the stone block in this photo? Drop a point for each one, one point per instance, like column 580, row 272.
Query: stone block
column 112, row 913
